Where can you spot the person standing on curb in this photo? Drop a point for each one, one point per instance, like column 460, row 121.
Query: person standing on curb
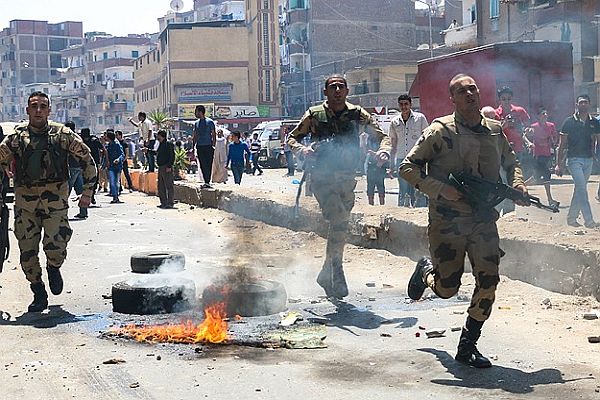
column 577, row 135
column 145, row 129
column 335, row 127
column 165, row 157
column 405, row 130
column 204, row 139
column 41, row 149
column 125, row 147
column 461, row 142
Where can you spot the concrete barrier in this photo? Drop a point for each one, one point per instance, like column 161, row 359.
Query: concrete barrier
column 559, row 267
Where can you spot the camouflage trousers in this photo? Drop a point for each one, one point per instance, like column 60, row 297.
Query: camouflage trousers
column 335, row 196
column 449, row 241
column 28, row 231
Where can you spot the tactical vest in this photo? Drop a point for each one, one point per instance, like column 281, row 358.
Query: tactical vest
column 43, row 160
column 338, row 141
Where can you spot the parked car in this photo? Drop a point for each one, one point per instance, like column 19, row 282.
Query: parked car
column 271, row 136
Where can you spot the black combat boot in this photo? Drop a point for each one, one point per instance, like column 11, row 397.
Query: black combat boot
column 55, row 280
column 40, row 297
column 416, row 284
column 467, row 346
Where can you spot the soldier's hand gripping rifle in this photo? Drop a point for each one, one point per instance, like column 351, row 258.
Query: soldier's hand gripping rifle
column 483, row 194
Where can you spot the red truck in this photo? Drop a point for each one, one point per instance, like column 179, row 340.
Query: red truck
column 540, row 73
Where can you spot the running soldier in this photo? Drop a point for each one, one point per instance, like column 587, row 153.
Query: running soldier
column 41, row 149
column 464, row 141
column 335, row 127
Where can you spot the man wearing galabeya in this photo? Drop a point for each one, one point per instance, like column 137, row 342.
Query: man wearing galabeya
column 335, row 127
column 41, row 149
column 462, row 142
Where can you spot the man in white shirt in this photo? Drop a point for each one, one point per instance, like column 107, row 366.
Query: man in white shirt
column 405, row 130
column 145, row 129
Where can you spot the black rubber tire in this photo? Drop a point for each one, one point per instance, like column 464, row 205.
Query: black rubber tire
column 139, row 299
column 261, row 297
column 150, row 261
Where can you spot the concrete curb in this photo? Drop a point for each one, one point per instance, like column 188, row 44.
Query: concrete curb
column 559, row 267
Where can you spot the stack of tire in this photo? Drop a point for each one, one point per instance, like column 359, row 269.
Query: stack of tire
column 149, row 291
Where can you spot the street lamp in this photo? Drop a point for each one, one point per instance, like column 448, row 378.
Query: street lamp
column 430, row 27
column 303, row 71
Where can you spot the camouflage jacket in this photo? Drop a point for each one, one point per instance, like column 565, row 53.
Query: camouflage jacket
column 338, row 135
column 447, row 146
column 13, row 144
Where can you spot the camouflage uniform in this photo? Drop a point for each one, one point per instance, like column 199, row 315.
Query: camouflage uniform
column 332, row 176
column 447, row 146
column 41, row 196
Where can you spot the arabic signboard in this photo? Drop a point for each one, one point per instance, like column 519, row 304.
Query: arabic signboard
column 186, row 111
column 218, row 92
column 236, row 112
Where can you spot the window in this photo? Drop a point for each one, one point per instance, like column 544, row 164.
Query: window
column 115, row 54
column 99, row 99
column 135, row 54
column 494, row 8
column 105, row 55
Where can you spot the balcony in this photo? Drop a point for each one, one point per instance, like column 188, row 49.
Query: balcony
column 463, row 36
column 295, row 48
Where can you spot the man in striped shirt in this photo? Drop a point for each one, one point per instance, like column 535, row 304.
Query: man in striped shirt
column 255, row 151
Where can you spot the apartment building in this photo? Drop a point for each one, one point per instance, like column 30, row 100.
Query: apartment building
column 30, row 53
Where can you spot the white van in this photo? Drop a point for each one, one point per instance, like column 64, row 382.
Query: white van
column 271, row 137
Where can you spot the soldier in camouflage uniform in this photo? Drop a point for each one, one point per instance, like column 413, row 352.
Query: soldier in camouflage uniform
column 335, row 127
column 40, row 150
column 463, row 141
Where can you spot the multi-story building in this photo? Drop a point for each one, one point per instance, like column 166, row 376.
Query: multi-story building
column 229, row 66
column 30, row 53
column 98, row 77
column 574, row 21
column 321, row 37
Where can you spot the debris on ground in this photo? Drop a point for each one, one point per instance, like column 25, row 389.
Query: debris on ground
column 594, row 339
column 455, row 329
column 134, row 385
column 114, row 361
column 385, row 334
column 370, row 284
column 290, row 318
column 435, row 333
column 591, row 315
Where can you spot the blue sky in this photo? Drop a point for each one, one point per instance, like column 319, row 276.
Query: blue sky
column 116, row 17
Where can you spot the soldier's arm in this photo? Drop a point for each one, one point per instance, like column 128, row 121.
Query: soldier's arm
column 414, row 167
column 299, row 133
column 81, row 152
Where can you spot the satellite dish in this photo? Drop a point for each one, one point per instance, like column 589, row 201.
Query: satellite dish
column 176, row 5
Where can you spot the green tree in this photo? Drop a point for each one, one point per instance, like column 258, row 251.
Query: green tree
column 161, row 119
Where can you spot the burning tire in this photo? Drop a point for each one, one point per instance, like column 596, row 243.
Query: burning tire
column 153, row 296
column 150, row 261
column 261, row 297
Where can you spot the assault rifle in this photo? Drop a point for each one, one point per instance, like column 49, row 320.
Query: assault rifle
column 483, row 195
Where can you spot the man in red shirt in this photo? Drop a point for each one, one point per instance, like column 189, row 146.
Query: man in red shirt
column 514, row 121
column 544, row 139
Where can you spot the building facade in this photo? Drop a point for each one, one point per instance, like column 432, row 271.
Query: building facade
column 574, row 21
column 320, row 37
column 229, row 66
column 98, row 91
column 30, row 53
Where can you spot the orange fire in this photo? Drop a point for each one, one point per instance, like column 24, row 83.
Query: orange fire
column 212, row 330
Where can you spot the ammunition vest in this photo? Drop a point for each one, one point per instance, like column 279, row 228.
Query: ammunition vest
column 338, row 140
column 41, row 159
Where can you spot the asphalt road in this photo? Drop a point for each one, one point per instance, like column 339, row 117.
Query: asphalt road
column 373, row 350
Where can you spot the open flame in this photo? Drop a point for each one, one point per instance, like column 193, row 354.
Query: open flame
column 212, row 330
